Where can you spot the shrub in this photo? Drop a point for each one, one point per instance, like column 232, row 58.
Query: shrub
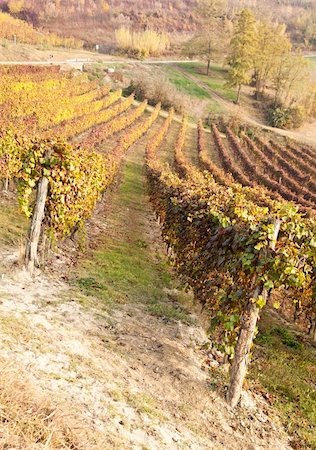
column 283, row 117
column 157, row 89
column 287, row 337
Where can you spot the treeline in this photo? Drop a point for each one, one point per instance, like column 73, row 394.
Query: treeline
column 169, row 16
column 261, row 54
column 299, row 16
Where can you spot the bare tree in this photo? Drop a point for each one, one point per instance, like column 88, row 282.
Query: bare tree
column 210, row 39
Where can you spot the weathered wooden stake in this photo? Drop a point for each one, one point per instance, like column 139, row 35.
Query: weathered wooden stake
column 246, row 336
column 31, row 255
column 312, row 330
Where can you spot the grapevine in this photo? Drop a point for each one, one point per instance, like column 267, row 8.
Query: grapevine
column 303, row 172
column 103, row 113
column 104, row 131
column 279, row 175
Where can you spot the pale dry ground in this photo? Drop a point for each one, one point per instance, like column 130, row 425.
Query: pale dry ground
column 22, row 53
column 127, row 375
column 132, row 380
column 25, row 52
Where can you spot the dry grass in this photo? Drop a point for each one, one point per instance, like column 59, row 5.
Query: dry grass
column 156, row 88
column 13, row 224
column 31, row 420
column 143, row 43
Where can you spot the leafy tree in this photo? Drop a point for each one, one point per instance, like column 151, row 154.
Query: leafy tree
column 290, row 78
column 243, row 50
column 203, row 45
column 272, row 43
column 285, row 72
column 304, row 25
column 207, row 42
column 16, row 6
column 208, row 10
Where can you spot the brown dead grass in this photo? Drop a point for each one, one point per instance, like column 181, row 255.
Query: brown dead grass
column 30, row 420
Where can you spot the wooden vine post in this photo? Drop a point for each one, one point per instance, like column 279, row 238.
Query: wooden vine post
column 246, row 336
column 312, row 330
column 31, row 251
column 6, row 184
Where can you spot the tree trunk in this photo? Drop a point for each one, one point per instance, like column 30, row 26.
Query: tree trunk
column 238, row 95
column 258, row 94
column 296, row 312
column 246, row 335
column 257, row 80
column 208, row 67
column 31, row 251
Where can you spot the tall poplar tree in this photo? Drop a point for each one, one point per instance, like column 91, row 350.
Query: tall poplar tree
column 243, row 49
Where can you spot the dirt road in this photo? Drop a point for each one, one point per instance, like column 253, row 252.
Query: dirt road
column 78, row 63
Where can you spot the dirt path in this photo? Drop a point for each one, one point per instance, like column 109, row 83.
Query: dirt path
column 190, row 147
column 123, row 353
column 307, row 133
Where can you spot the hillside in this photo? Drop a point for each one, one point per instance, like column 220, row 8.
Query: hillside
column 98, row 333
column 21, row 31
column 95, row 20
column 125, row 373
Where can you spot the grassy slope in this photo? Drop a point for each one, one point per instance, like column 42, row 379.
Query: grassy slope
column 187, row 86
column 216, row 79
column 190, row 88
column 12, row 223
column 124, row 267
column 285, row 367
column 312, row 61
